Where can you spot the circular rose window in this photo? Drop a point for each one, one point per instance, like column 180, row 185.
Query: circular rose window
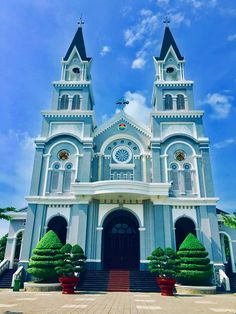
column 63, row 154
column 122, row 154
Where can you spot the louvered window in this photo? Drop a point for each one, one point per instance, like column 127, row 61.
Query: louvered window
column 168, row 105
column 187, row 180
column 54, row 180
column 76, row 102
column 63, row 102
column 180, row 102
column 67, row 181
column 175, row 180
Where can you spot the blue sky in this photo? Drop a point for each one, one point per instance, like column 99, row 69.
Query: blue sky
column 121, row 37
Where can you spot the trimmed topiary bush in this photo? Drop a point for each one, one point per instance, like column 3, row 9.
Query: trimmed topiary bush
column 195, row 267
column 72, row 262
column 164, row 263
column 46, row 257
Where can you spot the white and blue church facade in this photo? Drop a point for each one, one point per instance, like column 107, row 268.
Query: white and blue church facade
column 121, row 189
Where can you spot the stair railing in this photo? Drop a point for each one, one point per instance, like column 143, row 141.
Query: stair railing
column 224, row 280
column 17, row 275
column 4, row 265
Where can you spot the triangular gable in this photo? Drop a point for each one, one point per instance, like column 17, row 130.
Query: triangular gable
column 122, row 117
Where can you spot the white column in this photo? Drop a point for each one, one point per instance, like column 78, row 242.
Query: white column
column 13, row 249
column 47, row 156
column 70, row 103
column 144, row 163
column 100, row 162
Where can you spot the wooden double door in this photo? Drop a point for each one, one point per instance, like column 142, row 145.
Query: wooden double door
column 121, row 243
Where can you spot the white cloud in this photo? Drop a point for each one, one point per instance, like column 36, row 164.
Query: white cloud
column 231, row 37
column 147, row 25
column 137, row 107
column 105, row 50
column 163, row 2
column 224, row 143
column 138, row 63
column 178, row 18
column 17, row 151
column 220, row 105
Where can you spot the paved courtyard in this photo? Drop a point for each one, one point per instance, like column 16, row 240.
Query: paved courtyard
column 113, row 303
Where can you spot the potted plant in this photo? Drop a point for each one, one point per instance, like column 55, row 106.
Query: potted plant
column 70, row 267
column 164, row 263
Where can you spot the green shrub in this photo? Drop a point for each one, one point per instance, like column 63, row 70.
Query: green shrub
column 3, row 244
column 164, row 263
column 72, row 262
column 195, row 267
column 46, row 257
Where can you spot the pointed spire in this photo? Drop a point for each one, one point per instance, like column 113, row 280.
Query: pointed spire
column 168, row 41
column 78, row 42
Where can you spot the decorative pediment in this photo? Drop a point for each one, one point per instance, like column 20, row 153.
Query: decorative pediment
column 122, row 120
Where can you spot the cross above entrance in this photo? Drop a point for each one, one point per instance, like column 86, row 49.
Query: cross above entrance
column 122, row 102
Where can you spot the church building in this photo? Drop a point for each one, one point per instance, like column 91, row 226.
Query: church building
column 121, row 189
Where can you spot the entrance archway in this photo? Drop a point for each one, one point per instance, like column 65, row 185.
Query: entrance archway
column 58, row 224
column 228, row 257
column 121, row 241
column 17, row 251
column 183, row 227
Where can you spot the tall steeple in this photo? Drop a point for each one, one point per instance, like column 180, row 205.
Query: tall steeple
column 74, row 91
column 168, row 41
column 78, row 43
column 171, row 90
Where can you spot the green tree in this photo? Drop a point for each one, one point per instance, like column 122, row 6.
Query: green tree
column 72, row 262
column 3, row 244
column 195, row 267
column 46, row 257
column 164, row 263
column 230, row 221
column 4, row 212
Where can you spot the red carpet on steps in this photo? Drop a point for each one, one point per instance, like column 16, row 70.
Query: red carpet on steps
column 119, row 280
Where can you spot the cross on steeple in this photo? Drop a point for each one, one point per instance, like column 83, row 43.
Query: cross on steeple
column 166, row 21
column 122, row 102
column 81, row 22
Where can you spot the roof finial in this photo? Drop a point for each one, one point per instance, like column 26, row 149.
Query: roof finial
column 81, row 22
column 166, row 21
column 122, row 102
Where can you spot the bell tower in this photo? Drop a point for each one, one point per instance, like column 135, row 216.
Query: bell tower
column 171, row 90
column 74, row 91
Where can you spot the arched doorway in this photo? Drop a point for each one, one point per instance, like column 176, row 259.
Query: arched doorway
column 183, row 227
column 18, row 248
column 121, row 241
column 227, row 253
column 59, row 225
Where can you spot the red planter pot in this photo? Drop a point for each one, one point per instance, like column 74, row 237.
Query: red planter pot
column 68, row 284
column 166, row 285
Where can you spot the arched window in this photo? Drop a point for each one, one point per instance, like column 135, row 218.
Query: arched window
column 168, row 102
column 67, row 177
column 63, row 102
column 183, row 227
column 76, row 102
column 180, row 102
column 174, row 177
column 55, row 178
column 58, row 224
column 188, row 186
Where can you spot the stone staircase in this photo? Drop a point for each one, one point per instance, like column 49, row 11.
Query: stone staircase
column 118, row 280
column 6, row 278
